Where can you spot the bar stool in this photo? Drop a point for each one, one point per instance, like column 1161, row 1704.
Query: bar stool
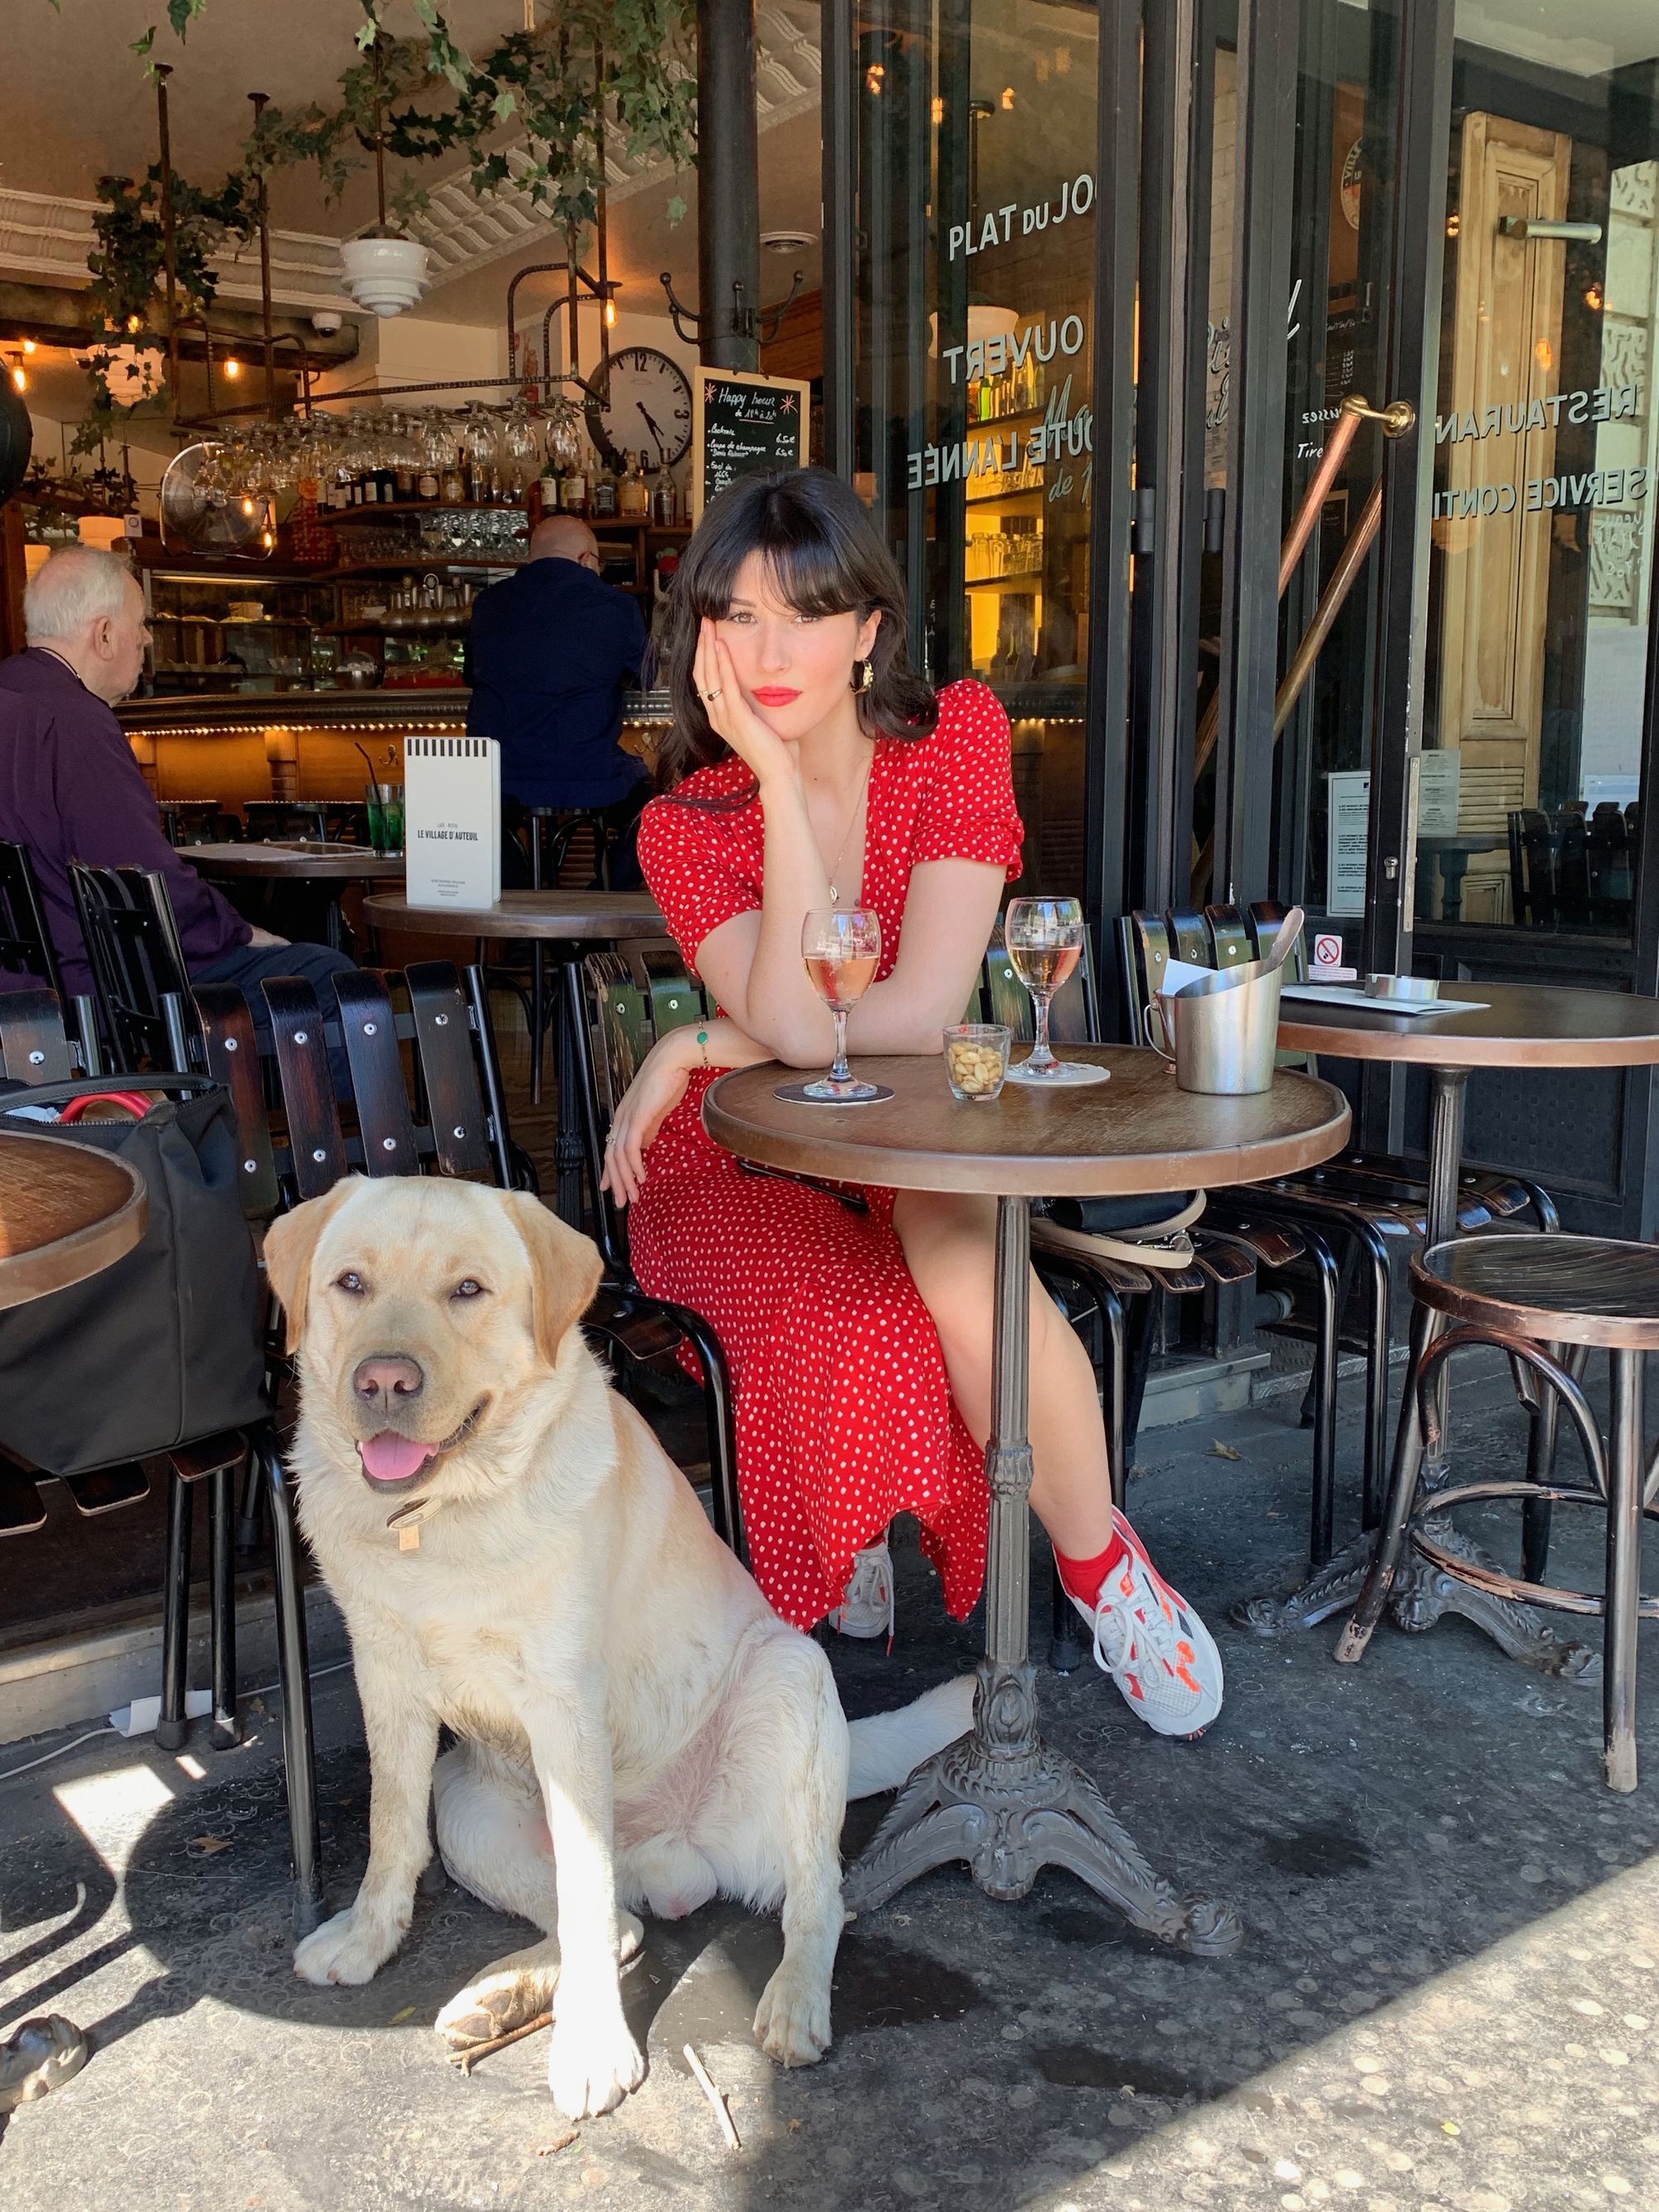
column 1523, row 1295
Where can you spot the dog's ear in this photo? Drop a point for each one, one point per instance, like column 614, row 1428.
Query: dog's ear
column 290, row 1242
column 565, row 1268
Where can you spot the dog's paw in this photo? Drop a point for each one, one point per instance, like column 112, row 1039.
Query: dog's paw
column 351, row 1948
column 791, row 2021
column 503, row 1997
column 593, row 2065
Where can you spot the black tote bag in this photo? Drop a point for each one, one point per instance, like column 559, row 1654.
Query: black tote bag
column 165, row 1347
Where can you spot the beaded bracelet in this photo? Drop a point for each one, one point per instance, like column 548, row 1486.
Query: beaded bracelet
column 703, row 1045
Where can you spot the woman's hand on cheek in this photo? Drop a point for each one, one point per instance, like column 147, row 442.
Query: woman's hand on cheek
column 730, row 714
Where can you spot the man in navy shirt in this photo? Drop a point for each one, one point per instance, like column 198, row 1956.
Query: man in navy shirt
column 548, row 658
column 71, row 789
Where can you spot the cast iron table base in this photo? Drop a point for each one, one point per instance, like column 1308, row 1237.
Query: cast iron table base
column 999, row 1798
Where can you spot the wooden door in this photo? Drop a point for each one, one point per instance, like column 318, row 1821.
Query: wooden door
column 1506, row 326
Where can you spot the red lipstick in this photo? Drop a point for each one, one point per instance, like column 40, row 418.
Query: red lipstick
column 773, row 695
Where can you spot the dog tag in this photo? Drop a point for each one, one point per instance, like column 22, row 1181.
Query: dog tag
column 408, row 1540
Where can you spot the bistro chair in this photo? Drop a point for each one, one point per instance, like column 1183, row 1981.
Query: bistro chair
column 1527, row 1298
column 197, row 821
column 551, row 839
column 26, row 949
column 320, row 820
column 140, row 980
column 1371, row 1204
column 1116, row 1249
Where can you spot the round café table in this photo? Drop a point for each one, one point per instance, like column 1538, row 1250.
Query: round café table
column 1000, row 1798
column 66, row 1213
column 300, row 861
column 1516, row 1025
column 569, row 922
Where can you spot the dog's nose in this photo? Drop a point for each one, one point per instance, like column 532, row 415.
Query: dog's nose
column 384, row 1378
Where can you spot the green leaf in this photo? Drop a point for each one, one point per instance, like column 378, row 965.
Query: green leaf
column 675, row 210
column 505, row 104
column 180, row 12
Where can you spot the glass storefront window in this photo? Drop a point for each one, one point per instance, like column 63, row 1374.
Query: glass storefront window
column 975, row 364
column 1546, row 443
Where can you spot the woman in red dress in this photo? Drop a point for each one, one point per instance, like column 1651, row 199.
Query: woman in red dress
column 815, row 769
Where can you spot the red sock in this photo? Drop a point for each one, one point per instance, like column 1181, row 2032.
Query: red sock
column 1083, row 1577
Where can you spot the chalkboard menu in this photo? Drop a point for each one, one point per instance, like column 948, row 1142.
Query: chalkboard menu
column 741, row 426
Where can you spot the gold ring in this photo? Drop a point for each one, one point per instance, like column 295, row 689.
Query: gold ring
column 715, row 694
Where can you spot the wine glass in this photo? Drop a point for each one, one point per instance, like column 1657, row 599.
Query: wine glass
column 1044, row 938
column 842, row 947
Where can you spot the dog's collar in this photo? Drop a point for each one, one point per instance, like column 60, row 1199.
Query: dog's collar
column 407, row 1520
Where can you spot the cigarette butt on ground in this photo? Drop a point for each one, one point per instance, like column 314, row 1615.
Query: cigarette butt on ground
column 715, row 2098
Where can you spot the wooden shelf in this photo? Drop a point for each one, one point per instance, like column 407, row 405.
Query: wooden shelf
column 378, row 507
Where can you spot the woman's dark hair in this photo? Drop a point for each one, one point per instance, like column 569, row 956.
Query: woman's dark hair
column 826, row 557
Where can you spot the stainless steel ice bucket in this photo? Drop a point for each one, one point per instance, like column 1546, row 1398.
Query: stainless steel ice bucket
column 1221, row 1030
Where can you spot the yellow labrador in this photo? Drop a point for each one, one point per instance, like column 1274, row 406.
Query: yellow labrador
column 516, row 1557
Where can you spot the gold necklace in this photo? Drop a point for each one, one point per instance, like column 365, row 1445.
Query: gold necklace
column 834, row 895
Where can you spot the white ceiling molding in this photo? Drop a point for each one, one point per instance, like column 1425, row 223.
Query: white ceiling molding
column 43, row 236
column 466, row 234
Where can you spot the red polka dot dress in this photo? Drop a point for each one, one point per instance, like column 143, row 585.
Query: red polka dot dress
column 844, row 1415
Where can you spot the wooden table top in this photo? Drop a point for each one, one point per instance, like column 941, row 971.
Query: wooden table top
column 1521, row 1026
column 1137, row 1134
column 66, row 1212
column 605, row 917
column 302, row 860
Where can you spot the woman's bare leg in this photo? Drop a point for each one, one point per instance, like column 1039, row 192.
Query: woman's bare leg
column 950, row 1248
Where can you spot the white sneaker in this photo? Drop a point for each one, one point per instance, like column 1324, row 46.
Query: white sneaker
column 1153, row 1645
column 866, row 1607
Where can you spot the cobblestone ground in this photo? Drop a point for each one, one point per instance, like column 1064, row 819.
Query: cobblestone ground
column 1447, row 1994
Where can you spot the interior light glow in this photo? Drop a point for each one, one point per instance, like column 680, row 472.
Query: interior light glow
column 232, row 368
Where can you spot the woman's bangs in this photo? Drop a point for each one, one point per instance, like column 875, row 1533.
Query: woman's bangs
column 803, row 567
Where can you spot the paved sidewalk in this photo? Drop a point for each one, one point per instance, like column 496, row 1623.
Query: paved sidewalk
column 1448, row 1992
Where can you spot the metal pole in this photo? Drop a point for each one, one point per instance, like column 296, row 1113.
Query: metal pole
column 839, row 197
column 169, row 255
column 728, row 184
column 1255, row 446
column 600, row 225
column 1111, row 504
column 1008, row 1453
column 259, row 100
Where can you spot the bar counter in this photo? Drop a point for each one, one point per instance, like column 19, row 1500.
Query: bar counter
column 233, row 747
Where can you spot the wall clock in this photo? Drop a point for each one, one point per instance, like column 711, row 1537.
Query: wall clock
column 648, row 407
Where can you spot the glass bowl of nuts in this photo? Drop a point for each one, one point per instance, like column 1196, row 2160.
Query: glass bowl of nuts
column 977, row 1058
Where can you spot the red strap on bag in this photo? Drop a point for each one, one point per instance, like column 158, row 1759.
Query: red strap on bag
column 136, row 1101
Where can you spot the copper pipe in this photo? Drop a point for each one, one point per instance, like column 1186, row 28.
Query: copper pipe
column 1349, row 561
column 1396, row 419
column 169, row 256
column 600, row 222
column 1347, row 421
column 574, row 362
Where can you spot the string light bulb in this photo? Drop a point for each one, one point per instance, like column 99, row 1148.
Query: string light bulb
column 610, row 313
column 232, row 368
column 28, row 346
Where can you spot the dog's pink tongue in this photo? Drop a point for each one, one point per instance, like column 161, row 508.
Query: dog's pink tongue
column 392, row 1458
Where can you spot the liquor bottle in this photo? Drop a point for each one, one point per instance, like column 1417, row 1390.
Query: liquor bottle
column 664, row 504
column 573, row 492
column 603, row 504
column 548, row 490
column 454, row 486
column 633, row 493
column 403, row 481
column 427, row 485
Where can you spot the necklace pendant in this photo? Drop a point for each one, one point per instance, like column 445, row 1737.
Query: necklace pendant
column 835, row 896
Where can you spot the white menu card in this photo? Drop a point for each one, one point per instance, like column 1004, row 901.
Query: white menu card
column 453, row 821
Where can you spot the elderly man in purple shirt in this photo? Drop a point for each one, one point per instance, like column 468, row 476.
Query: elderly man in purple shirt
column 71, row 789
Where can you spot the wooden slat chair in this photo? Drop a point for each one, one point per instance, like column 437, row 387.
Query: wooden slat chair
column 1230, row 1244
column 26, row 949
column 1368, row 1204
column 213, row 1460
column 294, row 1145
